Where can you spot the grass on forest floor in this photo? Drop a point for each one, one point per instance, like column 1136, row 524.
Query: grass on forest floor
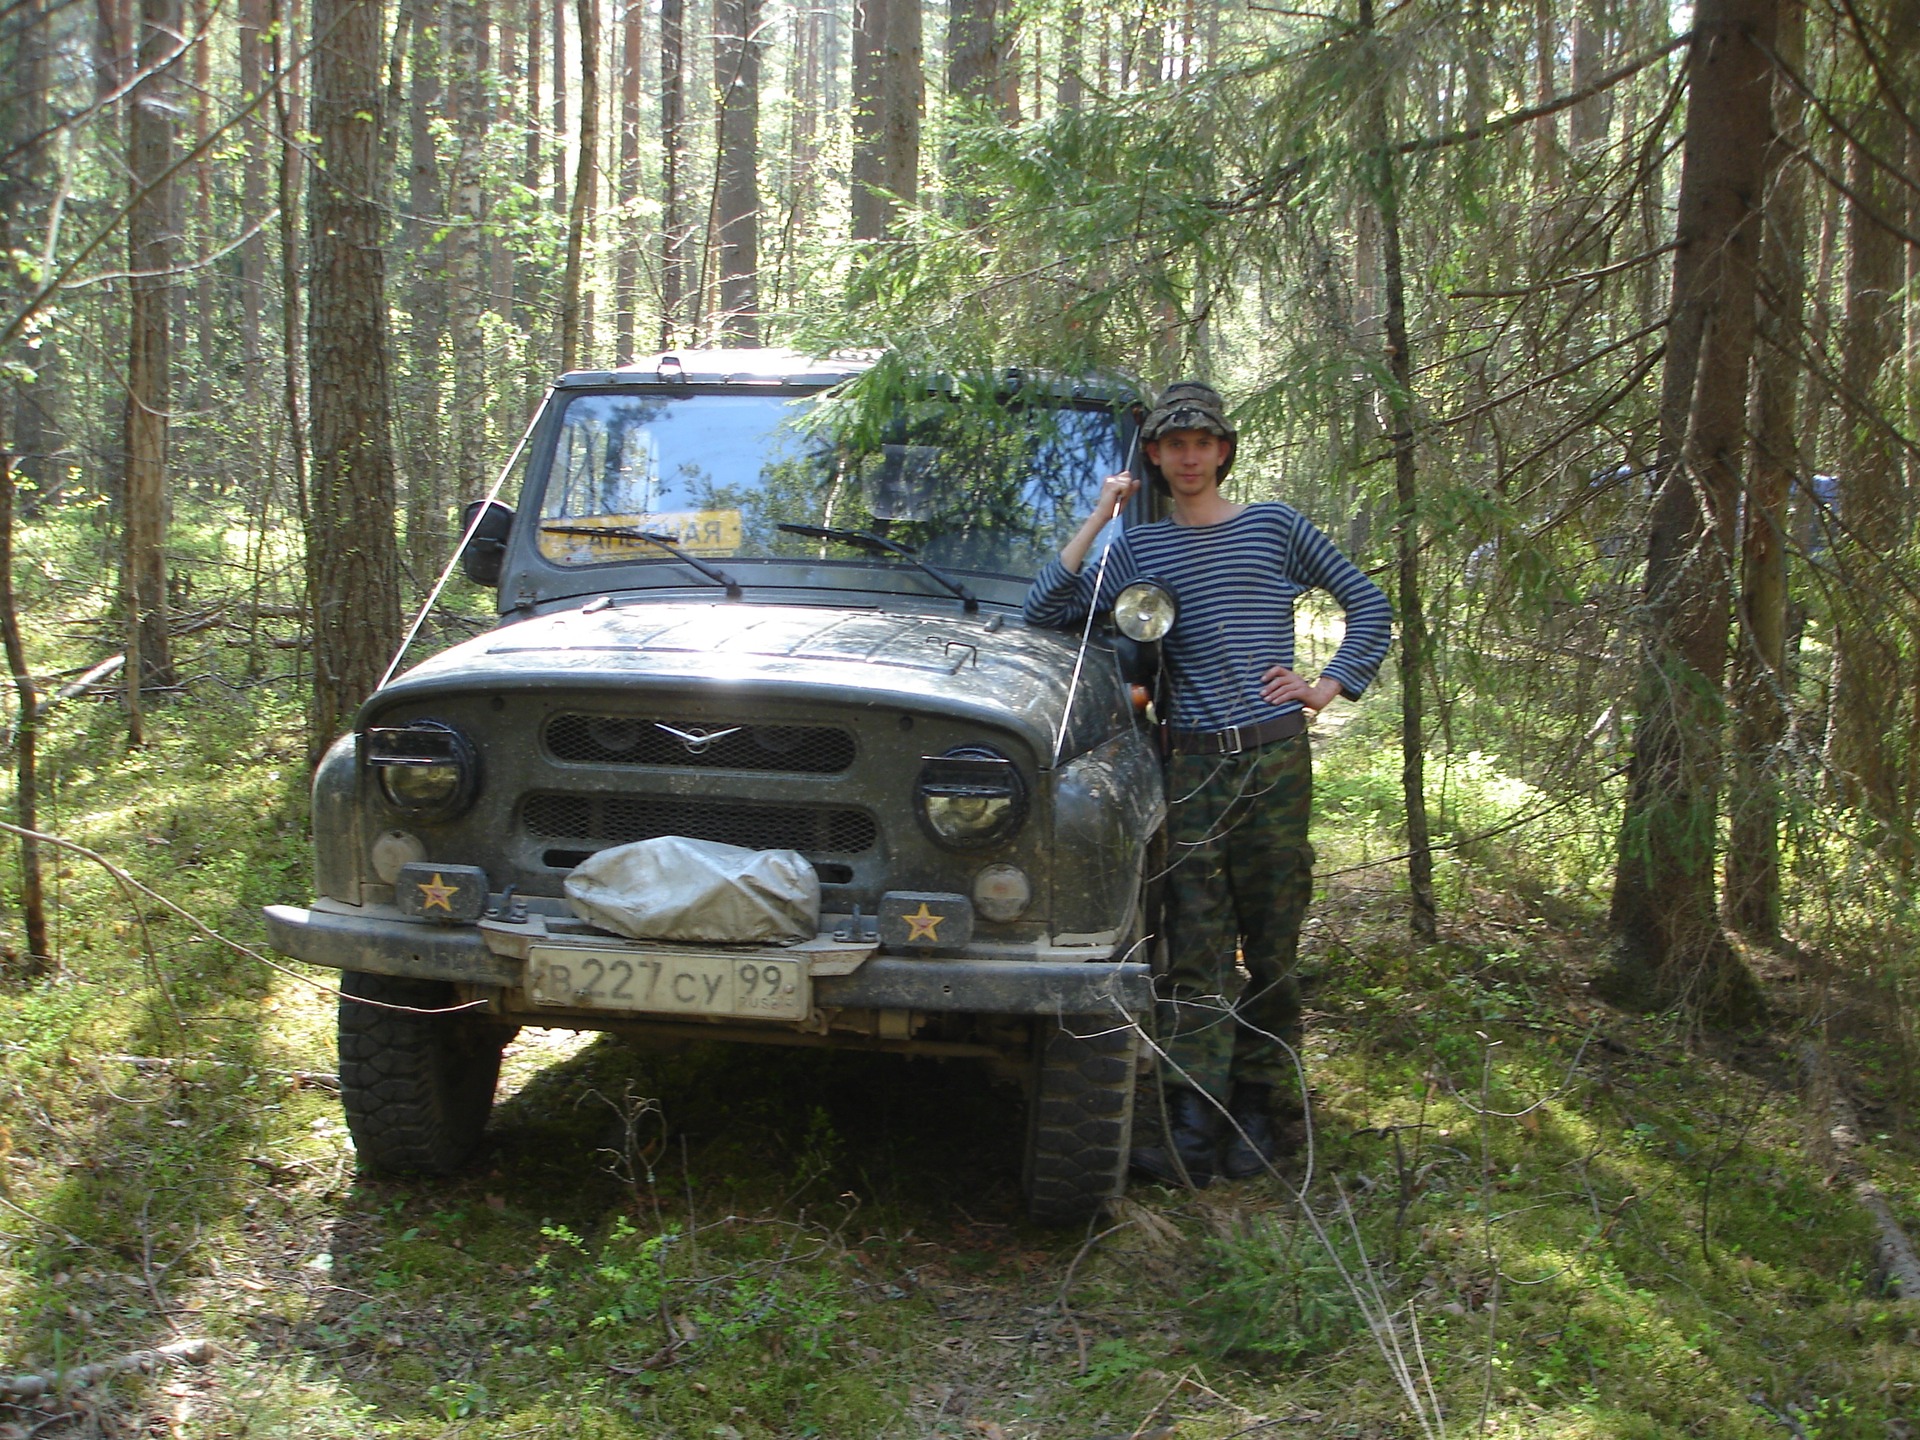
column 1599, row 1228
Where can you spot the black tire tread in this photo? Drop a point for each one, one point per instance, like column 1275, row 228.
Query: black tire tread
column 1081, row 1121
column 416, row 1089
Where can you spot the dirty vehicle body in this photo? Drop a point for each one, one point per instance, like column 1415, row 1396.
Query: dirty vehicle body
column 725, row 617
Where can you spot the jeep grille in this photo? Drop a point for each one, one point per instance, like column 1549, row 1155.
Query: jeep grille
column 593, row 822
column 632, row 740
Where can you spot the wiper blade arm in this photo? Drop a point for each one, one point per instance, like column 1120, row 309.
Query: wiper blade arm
column 879, row 544
column 665, row 542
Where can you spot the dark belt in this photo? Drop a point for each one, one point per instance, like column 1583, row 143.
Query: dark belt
column 1236, row 738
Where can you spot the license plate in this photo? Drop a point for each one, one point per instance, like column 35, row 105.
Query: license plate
column 668, row 983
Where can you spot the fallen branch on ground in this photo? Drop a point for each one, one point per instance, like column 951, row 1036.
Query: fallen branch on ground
column 1833, row 1135
column 181, row 1352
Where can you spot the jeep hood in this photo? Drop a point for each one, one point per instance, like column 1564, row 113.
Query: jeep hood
column 990, row 668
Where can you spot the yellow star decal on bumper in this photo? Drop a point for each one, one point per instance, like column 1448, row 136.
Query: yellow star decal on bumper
column 923, row 925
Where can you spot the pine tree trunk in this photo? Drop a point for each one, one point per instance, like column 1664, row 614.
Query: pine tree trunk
column 736, row 85
column 1866, row 676
column 1546, row 130
column 673, row 148
column 560, row 107
column 1759, row 684
column 426, row 296
column 1069, row 92
column 467, row 274
column 1670, row 948
column 532, row 277
column 151, row 231
column 627, row 270
column 255, row 167
column 206, row 312
column 25, row 192
column 1412, row 616
column 38, row 960
column 888, row 90
column 1590, row 117
column 352, row 552
column 573, row 323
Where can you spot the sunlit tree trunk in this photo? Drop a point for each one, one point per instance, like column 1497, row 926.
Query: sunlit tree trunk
column 1070, row 90
column 627, row 271
column 736, row 237
column 38, row 960
column 673, row 149
column 352, row 551
column 572, row 320
column 1385, row 185
column 1670, row 947
column 888, row 93
column 152, row 229
column 467, row 275
column 426, row 295
column 255, row 170
column 25, row 192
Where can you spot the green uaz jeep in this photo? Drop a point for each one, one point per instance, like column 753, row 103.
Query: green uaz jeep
column 735, row 611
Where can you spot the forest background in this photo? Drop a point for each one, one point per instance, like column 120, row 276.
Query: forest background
column 1592, row 328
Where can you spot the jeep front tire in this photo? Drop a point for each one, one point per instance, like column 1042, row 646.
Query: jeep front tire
column 1080, row 1118
column 417, row 1088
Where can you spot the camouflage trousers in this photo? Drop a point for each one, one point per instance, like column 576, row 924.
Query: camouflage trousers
column 1241, row 879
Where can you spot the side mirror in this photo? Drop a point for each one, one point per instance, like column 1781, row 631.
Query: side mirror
column 487, row 546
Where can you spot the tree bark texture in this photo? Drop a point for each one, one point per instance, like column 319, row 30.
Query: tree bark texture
column 580, row 212
column 1872, row 509
column 26, row 189
column 1759, row 685
column 254, row 173
column 1670, row 947
column 468, row 276
column 560, row 107
column 1423, row 917
column 736, row 87
column 152, row 235
column 352, row 551
column 888, row 93
column 673, row 147
column 1070, row 90
column 426, row 296
column 626, row 280
column 26, row 785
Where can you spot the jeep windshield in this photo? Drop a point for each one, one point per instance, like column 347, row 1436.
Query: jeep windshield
column 992, row 490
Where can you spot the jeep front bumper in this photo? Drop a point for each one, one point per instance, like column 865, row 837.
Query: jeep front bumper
column 380, row 943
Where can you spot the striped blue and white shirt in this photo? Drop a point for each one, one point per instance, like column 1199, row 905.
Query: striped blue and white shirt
column 1235, row 583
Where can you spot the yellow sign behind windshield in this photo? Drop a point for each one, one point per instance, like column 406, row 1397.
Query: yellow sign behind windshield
column 698, row 532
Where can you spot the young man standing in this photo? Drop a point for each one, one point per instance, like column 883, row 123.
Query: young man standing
column 1239, row 779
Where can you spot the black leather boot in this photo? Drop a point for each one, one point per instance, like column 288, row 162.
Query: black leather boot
column 1256, row 1143
column 1190, row 1153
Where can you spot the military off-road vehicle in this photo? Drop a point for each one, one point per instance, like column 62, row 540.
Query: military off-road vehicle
column 736, row 608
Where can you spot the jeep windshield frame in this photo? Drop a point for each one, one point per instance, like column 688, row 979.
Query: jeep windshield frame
column 984, row 492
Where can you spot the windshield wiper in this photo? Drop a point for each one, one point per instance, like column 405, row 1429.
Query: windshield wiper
column 665, row 542
column 879, row 544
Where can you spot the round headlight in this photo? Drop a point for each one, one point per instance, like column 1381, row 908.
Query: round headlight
column 1144, row 610
column 970, row 797
column 427, row 768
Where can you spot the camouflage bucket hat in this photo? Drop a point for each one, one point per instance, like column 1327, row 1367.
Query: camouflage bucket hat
column 1186, row 405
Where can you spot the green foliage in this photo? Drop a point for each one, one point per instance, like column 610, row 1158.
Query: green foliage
column 1280, row 1293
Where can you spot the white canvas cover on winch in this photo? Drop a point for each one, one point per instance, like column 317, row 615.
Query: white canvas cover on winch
column 676, row 888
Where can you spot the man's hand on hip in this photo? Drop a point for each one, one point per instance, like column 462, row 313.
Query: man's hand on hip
column 1280, row 685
